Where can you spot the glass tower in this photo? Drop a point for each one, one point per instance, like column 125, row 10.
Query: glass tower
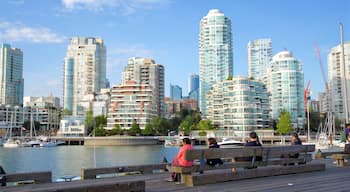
column 259, row 57
column 286, row 85
column 215, row 53
column 11, row 75
column 175, row 92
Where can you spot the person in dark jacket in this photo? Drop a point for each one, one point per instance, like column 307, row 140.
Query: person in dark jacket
column 213, row 144
column 295, row 140
column 252, row 142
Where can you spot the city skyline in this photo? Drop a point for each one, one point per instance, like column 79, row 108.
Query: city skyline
column 156, row 29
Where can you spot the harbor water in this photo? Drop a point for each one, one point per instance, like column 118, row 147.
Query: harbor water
column 68, row 160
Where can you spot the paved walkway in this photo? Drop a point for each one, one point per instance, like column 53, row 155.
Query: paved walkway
column 334, row 179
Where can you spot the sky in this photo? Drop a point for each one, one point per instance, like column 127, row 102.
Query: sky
column 167, row 31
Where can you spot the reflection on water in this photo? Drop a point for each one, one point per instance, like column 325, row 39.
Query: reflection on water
column 68, row 160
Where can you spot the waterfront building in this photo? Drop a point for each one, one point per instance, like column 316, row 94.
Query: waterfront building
column 45, row 110
column 323, row 102
column 84, row 70
column 72, row 126
column 146, row 71
column 193, row 87
column 11, row 120
column 174, row 106
column 286, row 86
column 314, row 105
column 259, row 57
column 131, row 101
column 338, row 77
column 193, row 83
column 240, row 104
column 98, row 103
column 11, row 75
column 175, row 92
column 215, row 53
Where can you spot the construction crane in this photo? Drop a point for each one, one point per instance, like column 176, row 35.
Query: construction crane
column 306, row 107
column 327, row 131
column 306, row 93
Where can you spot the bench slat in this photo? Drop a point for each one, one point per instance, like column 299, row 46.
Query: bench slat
column 272, row 151
column 201, row 179
column 230, row 165
column 91, row 173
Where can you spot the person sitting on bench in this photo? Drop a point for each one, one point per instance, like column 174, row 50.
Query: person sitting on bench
column 179, row 159
column 213, row 144
column 252, row 142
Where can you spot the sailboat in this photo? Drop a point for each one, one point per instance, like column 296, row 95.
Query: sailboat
column 10, row 142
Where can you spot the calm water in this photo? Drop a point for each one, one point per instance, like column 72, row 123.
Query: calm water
column 68, row 160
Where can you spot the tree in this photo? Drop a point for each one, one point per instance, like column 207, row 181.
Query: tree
column 99, row 132
column 89, row 122
column 205, row 125
column 116, row 130
column 100, row 121
column 229, row 77
column 187, row 125
column 284, row 124
column 135, row 129
column 66, row 112
column 148, row 131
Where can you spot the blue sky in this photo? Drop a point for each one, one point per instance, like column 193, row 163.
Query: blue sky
column 167, row 31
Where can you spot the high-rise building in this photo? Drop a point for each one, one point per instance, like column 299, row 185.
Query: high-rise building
column 146, row 71
column 84, row 70
column 175, row 92
column 193, row 83
column 11, row 75
column 215, row 53
column 259, row 57
column 239, row 104
column 286, row 86
column 338, row 77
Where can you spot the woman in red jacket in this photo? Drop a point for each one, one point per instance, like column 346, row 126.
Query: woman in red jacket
column 179, row 159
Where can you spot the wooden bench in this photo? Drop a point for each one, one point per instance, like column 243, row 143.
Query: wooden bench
column 91, row 185
column 93, row 173
column 275, row 161
column 340, row 157
column 27, row 178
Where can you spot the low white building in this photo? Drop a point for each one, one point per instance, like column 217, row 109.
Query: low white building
column 45, row 110
column 11, row 117
column 72, row 126
column 97, row 102
column 240, row 104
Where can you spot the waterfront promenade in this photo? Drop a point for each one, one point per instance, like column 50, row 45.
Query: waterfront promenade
column 333, row 179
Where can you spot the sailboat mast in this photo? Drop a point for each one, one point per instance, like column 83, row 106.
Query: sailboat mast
column 344, row 79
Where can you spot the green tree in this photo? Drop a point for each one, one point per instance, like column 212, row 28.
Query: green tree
column 187, row 125
column 229, row 77
column 89, row 122
column 66, row 112
column 99, row 132
column 148, row 131
column 116, row 130
column 284, row 124
column 100, row 121
column 135, row 129
column 205, row 124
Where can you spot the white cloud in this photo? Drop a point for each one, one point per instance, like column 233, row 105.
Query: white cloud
column 17, row 32
column 125, row 6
